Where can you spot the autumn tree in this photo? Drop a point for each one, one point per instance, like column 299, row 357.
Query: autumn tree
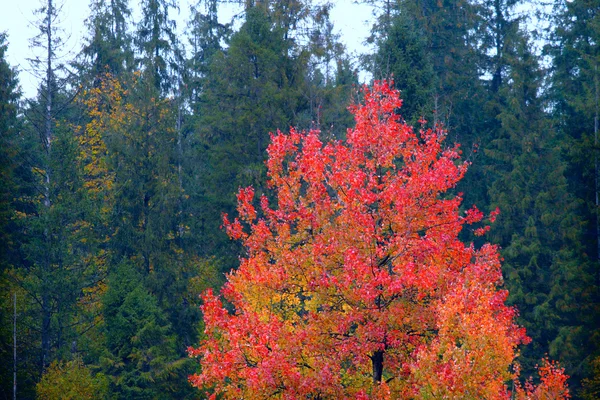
column 355, row 284
column 71, row 380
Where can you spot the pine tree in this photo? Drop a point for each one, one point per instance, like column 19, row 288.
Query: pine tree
column 402, row 55
column 541, row 228
column 108, row 47
column 9, row 125
column 9, row 232
column 253, row 86
column 50, row 222
column 140, row 356
column 205, row 35
column 330, row 78
column 575, row 93
column 438, row 44
column 155, row 41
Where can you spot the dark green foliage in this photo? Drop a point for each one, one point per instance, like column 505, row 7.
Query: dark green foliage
column 575, row 93
column 9, row 96
column 108, row 47
column 49, row 271
column 205, row 35
column 148, row 229
column 9, row 153
column 140, row 357
column 54, row 272
column 330, row 80
column 540, row 226
column 253, row 88
column 156, row 42
column 451, row 30
column 402, row 55
column 434, row 51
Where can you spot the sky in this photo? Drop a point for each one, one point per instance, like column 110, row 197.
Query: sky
column 352, row 21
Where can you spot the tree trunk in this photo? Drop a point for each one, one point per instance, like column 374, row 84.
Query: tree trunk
column 15, row 347
column 597, row 183
column 377, row 359
column 48, row 143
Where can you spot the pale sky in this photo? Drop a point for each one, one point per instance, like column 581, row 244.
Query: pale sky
column 352, row 21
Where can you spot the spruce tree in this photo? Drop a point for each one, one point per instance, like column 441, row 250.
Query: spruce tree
column 402, row 55
column 253, row 86
column 52, row 272
column 140, row 357
column 9, row 125
column 108, row 47
column 575, row 93
column 155, row 42
column 9, row 232
column 540, row 227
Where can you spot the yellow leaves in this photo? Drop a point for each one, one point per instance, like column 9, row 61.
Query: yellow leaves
column 178, row 250
column 19, row 215
column 37, row 170
column 101, row 103
column 71, row 380
column 91, row 296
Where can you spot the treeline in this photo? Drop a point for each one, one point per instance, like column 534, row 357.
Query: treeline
column 115, row 176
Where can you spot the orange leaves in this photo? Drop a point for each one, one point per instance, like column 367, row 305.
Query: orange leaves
column 553, row 384
column 358, row 268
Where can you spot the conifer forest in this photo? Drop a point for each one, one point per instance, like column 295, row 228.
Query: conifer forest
column 250, row 211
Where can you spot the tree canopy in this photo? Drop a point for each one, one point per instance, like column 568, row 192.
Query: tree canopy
column 355, row 284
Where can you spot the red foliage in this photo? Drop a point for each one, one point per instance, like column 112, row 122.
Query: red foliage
column 355, row 285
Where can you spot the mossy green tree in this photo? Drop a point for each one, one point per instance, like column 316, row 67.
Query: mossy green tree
column 71, row 380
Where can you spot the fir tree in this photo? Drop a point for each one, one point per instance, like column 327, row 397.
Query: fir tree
column 108, row 47
column 253, row 87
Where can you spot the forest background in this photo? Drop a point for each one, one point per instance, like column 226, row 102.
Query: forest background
column 115, row 174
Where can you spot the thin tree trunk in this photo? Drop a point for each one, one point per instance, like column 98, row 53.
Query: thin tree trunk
column 48, row 114
column 596, row 172
column 15, row 347
column 48, row 138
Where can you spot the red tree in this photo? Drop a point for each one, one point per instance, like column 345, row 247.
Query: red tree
column 355, row 285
